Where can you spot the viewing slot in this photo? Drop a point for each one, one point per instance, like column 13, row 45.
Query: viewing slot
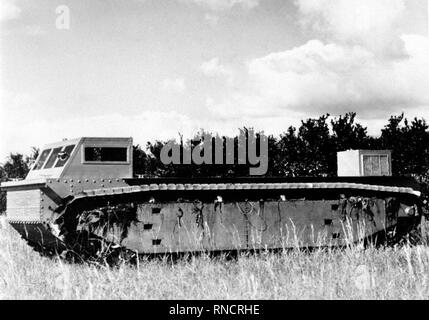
column 42, row 159
column 106, row 154
column 52, row 158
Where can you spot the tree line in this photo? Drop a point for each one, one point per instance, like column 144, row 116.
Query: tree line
column 307, row 150
column 310, row 150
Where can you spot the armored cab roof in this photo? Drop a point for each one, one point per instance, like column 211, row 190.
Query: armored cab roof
column 86, row 157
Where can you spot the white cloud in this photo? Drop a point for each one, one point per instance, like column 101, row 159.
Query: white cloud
column 213, row 68
column 9, row 10
column 174, row 85
column 34, row 30
column 366, row 22
column 143, row 127
column 372, row 69
column 334, row 77
column 350, row 18
column 221, row 5
column 211, row 19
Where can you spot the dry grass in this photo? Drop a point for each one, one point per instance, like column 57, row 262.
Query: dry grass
column 390, row 273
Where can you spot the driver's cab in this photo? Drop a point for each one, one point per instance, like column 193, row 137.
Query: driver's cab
column 84, row 158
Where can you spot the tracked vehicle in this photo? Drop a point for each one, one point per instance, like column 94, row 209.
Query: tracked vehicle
column 81, row 197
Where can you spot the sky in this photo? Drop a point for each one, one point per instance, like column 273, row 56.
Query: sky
column 151, row 69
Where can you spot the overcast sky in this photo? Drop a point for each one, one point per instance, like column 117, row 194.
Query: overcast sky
column 152, row 68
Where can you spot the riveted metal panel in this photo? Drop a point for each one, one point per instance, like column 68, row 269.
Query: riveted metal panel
column 189, row 226
column 23, row 205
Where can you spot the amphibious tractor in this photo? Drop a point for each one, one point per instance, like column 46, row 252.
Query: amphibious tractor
column 80, row 197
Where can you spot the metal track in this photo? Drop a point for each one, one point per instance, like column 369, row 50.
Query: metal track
column 107, row 198
column 39, row 237
column 42, row 239
column 247, row 186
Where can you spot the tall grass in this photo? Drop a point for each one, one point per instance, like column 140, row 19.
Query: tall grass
column 389, row 273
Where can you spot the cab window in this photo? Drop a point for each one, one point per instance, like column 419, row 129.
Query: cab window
column 52, row 158
column 105, row 154
column 64, row 156
column 42, row 159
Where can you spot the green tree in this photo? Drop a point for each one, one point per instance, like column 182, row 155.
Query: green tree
column 16, row 166
column 318, row 146
column 288, row 155
column 409, row 143
column 143, row 162
column 347, row 134
column 309, row 150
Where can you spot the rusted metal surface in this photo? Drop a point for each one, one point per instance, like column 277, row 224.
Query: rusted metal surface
column 88, row 208
column 40, row 236
column 162, row 220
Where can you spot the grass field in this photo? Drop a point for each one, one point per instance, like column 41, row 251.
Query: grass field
column 389, row 273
